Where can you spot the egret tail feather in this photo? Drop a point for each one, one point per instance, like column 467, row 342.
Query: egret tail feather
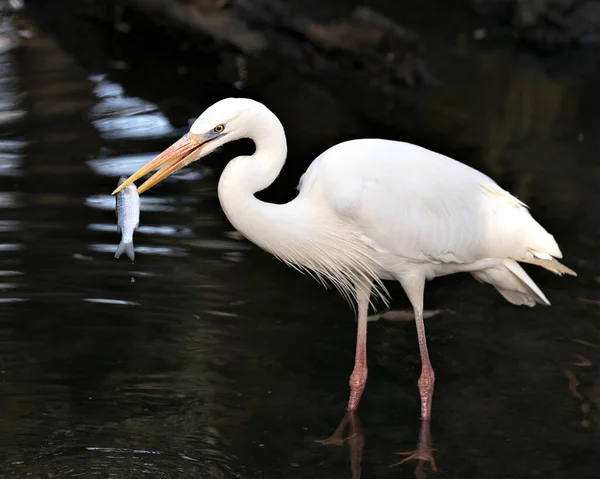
column 550, row 265
column 513, row 283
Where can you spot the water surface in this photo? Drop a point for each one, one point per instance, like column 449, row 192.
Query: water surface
column 209, row 358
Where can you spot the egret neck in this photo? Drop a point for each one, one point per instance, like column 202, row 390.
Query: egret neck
column 266, row 224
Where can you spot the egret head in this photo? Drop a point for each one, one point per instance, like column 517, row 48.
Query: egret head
column 227, row 120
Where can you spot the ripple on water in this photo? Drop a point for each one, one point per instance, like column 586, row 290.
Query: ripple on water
column 109, row 461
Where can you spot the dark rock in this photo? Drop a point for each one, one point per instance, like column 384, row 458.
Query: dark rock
column 363, row 42
column 547, row 24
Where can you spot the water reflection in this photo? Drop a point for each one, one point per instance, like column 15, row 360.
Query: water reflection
column 118, row 302
column 10, row 247
column 10, row 199
column 10, row 273
column 159, row 230
column 10, row 96
column 11, row 157
column 11, row 280
column 117, row 116
column 12, row 300
column 11, row 165
column 12, row 145
column 172, row 251
column 8, row 226
column 96, row 379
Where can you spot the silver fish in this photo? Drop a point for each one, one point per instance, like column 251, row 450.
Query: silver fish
column 128, row 217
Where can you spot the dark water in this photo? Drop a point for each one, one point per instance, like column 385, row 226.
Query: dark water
column 208, row 358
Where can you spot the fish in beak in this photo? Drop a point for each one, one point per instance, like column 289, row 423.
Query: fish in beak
column 179, row 154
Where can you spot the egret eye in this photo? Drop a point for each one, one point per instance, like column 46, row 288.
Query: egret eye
column 219, row 128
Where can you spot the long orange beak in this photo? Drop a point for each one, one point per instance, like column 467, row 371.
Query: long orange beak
column 179, row 154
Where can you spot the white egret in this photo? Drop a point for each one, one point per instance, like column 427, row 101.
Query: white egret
column 369, row 210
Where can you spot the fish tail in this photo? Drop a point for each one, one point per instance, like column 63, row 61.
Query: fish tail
column 126, row 248
column 130, row 251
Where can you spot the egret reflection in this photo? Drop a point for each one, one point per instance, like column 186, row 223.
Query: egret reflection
column 355, row 439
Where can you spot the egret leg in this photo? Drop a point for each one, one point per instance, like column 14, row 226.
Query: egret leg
column 358, row 379
column 414, row 290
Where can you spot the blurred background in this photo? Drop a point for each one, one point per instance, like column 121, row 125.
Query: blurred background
column 208, row 358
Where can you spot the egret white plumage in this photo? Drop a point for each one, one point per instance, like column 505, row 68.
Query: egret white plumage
column 369, row 210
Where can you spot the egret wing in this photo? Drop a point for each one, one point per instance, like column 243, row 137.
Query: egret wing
column 423, row 206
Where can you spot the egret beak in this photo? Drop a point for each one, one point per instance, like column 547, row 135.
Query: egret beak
column 181, row 153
